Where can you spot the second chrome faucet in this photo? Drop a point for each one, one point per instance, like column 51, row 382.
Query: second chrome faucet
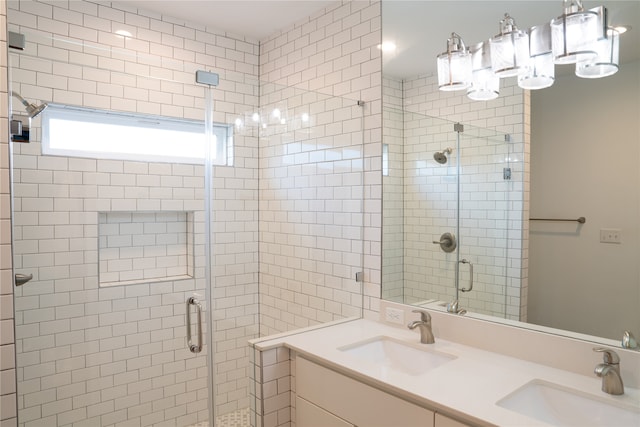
column 609, row 371
column 424, row 326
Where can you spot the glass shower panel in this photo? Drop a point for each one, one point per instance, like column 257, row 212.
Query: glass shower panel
column 116, row 250
column 430, row 208
column 486, row 177
column 312, row 190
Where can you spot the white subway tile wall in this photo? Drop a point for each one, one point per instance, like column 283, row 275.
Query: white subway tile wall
column 491, row 209
column 8, row 395
column 272, row 387
column 320, row 183
column 106, row 355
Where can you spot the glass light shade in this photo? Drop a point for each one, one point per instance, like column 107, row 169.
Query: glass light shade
column 539, row 74
column 509, row 49
column 606, row 61
column 485, row 85
column 573, row 36
column 509, row 53
column 454, row 65
column 540, row 70
column 454, row 71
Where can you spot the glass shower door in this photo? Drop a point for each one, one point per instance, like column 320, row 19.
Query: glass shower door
column 430, row 209
column 488, row 170
column 116, row 250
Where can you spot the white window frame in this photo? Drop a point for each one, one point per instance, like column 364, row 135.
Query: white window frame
column 87, row 128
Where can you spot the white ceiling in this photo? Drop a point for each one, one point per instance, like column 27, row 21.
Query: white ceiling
column 419, row 28
column 255, row 19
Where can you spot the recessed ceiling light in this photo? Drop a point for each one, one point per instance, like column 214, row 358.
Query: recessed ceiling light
column 387, row 46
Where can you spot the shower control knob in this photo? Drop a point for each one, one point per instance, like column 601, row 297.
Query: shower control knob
column 447, row 242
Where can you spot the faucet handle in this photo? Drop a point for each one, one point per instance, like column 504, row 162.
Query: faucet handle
column 424, row 315
column 609, row 357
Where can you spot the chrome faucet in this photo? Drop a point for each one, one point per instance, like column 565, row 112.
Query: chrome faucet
column 454, row 307
column 424, row 324
column 609, row 371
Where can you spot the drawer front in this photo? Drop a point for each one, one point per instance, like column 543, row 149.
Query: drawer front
column 358, row 403
column 444, row 421
column 310, row 415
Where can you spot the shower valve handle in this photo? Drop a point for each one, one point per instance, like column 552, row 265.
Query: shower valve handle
column 447, row 242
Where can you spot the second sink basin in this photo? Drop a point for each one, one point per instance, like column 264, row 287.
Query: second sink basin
column 397, row 355
column 557, row 405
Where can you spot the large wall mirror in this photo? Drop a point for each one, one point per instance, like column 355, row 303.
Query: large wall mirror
column 489, row 172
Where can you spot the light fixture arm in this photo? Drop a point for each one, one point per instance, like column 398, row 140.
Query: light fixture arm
column 455, row 44
column 572, row 6
column 507, row 24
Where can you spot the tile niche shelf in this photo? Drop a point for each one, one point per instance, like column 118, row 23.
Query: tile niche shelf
column 145, row 247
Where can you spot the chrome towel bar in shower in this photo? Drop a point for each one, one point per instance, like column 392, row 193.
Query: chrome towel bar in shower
column 581, row 220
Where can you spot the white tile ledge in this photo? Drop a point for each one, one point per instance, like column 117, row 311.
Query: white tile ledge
column 467, row 387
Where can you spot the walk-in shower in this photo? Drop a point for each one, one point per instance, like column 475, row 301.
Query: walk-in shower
column 441, row 156
column 117, row 246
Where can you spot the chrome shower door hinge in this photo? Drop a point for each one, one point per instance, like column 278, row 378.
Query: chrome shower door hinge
column 360, row 276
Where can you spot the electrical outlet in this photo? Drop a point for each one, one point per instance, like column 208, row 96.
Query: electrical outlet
column 394, row 315
column 610, row 235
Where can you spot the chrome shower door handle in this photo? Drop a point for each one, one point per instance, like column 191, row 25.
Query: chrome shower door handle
column 465, row 261
column 194, row 348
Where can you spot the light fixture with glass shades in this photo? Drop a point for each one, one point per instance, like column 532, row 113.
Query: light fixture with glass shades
column 454, row 65
column 579, row 36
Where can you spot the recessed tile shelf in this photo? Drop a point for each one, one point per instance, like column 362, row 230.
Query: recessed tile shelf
column 144, row 247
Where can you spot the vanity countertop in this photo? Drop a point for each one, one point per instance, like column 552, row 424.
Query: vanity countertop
column 467, row 387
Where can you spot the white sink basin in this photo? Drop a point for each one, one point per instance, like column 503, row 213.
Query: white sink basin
column 389, row 353
column 557, row 405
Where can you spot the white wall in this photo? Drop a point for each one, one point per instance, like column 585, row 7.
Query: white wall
column 585, row 154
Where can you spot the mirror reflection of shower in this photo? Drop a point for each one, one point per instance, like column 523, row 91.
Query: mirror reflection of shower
column 441, row 156
column 33, row 110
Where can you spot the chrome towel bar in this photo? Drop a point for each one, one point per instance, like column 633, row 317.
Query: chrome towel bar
column 581, row 220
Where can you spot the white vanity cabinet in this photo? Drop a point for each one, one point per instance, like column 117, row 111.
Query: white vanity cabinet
column 326, row 398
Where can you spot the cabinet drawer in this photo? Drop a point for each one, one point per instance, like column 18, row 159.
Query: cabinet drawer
column 354, row 401
column 444, row 421
column 310, row 415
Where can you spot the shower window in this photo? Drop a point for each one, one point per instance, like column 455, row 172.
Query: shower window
column 84, row 132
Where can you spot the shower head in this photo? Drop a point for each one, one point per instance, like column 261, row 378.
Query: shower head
column 440, row 156
column 32, row 109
